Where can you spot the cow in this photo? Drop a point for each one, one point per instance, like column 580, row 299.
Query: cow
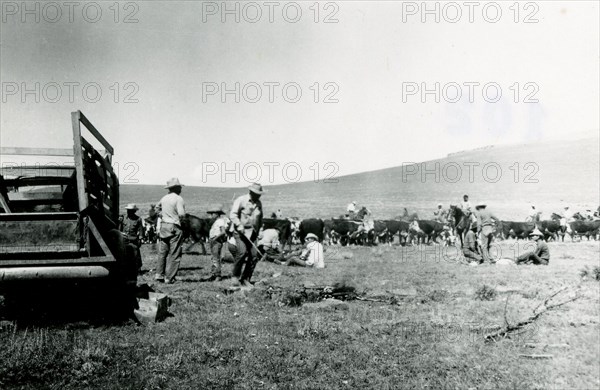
column 285, row 229
column 551, row 229
column 425, row 229
column 397, row 227
column 312, row 225
column 381, row 232
column 515, row 229
column 585, row 228
column 196, row 230
column 339, row 230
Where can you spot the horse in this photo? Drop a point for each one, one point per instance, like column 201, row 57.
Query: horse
column 462, row 222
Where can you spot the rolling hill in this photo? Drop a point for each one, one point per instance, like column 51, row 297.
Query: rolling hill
column 507, row 178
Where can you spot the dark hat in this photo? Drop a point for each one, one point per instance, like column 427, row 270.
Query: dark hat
column 216, row 209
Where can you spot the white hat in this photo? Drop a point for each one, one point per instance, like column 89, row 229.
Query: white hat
column 131, row 206
column 313, row 236
column 536, row 232
column 173, row 182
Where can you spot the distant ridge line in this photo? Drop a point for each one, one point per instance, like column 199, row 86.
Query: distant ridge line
column 471, row 150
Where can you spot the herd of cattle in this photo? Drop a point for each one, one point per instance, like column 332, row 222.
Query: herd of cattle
column 405, row 230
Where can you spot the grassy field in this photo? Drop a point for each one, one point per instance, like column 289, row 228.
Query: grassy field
column 428, row 333
column 431, row 336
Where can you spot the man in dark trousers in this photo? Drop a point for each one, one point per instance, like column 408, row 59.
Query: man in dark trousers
column 133, row 231
column 470, row 246
column 540, row 255
column 172, row 209
column 246, row 217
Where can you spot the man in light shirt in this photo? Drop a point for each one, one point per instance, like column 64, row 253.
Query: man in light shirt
column 246, row 217
column 269, row 245
column 217, row 238
column 351, row 209
column 172, row 210
column 312, row 256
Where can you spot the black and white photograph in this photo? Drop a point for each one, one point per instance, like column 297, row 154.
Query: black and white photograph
column 302, row 194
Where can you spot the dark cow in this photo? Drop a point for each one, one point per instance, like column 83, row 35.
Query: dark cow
column 339, row 230
column 381, row 232
column 397, row 227
column 424, row 229
column 515, row 229
column 196, row 229
column 285, row 229
column 312, row 225
column 551, row 229
column 585, row 228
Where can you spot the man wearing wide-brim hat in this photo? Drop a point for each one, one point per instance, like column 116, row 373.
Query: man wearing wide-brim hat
column 540, row 255
column 246, row 217
column 172, row 211
column 133, row 230
column 312, row 256
column 486, row 221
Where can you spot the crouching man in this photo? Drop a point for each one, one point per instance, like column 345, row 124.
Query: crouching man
column 218, row 238
column 470, row 246
column 541, row 254
column 268, row 244
column 312, row 256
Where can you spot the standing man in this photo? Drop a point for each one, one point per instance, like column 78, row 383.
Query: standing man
column 246, row 217
column 541, row 254
column 485, row 222
column 133, row 231
column 172, row 209
column 351, row 209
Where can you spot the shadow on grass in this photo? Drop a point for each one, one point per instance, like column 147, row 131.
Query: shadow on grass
column 69, row 305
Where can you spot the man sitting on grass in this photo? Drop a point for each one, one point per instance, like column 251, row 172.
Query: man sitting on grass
column 312, row 256
column 541, row 254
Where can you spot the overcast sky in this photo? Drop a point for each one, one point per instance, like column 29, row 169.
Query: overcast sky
column 158, row 75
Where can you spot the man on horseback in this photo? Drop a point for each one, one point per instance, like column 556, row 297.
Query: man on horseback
column 460, row 221
column 534, row 215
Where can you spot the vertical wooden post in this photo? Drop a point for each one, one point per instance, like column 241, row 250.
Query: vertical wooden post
column 80, row 174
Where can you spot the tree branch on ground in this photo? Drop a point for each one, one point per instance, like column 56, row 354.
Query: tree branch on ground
column 543, row 307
